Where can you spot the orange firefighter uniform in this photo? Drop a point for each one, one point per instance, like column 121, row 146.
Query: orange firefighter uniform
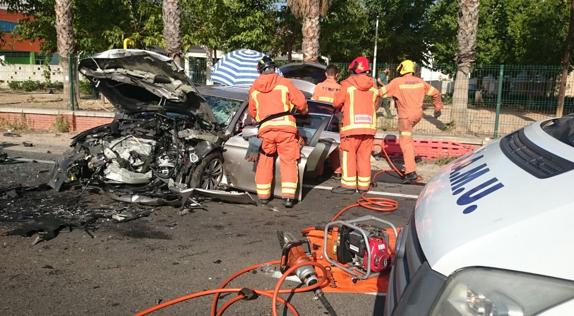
column 272, row 94
column 326, row 90
column 357, row 100
column 409, row 92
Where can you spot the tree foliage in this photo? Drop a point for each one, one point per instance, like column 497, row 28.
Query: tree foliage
column 350, row 29
column 96, row 27
column 228, row 24
column 509, row 32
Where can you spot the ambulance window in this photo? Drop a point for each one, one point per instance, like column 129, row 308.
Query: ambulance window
column 561, row 129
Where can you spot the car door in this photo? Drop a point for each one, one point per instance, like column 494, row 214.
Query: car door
column 240, row 173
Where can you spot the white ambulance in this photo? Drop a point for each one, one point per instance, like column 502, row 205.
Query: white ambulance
column 493, row 232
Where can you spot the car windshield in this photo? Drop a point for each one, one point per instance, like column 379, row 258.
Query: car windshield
column 223, row 109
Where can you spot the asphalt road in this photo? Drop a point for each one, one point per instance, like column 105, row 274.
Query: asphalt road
column 130, row 266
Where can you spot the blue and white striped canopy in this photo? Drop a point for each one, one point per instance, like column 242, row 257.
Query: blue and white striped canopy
column 238, row 67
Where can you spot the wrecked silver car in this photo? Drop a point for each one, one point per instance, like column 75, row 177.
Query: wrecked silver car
column 163, row 139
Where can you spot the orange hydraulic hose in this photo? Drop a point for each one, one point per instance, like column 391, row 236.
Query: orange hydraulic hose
column 377, row 204
column 391, row 164
column 211, row 292
column 289, row 271
column 323, row 281
column 234, row 276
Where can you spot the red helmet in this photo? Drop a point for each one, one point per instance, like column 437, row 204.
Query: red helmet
column 359, row 65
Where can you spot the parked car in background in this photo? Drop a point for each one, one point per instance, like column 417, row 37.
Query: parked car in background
column 311, row 72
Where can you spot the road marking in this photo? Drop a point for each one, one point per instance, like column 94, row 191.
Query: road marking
column 51, row 162
column 406, row 196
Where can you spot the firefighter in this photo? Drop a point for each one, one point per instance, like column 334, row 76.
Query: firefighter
column 272, row 94
column 325, row 91
column 409, row 92
column 357, row 100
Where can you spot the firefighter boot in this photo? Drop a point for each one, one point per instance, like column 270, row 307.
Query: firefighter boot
column 288, row 203
column 410, row 178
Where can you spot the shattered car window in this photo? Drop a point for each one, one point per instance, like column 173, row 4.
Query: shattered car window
column 309, row 124
column 223, row 109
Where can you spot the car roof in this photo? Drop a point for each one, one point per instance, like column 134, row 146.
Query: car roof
column 241, row 93
column 229, row 92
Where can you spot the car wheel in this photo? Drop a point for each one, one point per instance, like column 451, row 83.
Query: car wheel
column 208, row 173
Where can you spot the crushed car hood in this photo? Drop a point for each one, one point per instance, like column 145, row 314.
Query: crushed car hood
column 139, row 80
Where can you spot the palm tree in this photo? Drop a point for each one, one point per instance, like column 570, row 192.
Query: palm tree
column 66, row 43
column 171, row 29
column 310, row 11
column 466, row 37
column 566, row 59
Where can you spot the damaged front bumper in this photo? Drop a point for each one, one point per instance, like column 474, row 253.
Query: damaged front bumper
column 150, row 156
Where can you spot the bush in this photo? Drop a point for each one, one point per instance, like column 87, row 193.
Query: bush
column 86, row 87
column 15, row 85
column 30, row 85
column 62, row 124
column 57, row 85
column 18, row 124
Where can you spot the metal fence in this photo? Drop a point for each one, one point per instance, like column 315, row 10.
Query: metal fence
column 501, row 98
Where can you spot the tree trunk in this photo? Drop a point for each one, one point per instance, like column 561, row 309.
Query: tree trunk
column 466, row 37
column 566, row 58
column 311, row 33
column 208, row 64
column 65, row 42
column 171, row 12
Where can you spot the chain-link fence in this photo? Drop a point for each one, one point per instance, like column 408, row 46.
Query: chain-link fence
column 501, row 98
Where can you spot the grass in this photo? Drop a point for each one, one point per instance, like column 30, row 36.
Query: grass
column 442, row 161
column 20, row 124
column 62, row 125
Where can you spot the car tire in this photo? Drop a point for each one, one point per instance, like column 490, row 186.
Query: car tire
column 208, row 173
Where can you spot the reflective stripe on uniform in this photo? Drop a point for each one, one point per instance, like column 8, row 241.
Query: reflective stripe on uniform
column 432, row 91
column 364, row 181
column 325, row 99
column 406, row 133
column 349, row 183
column 411, row 86
column 289, row 185
column 278, row 123
column 288, row 191
column 383, row 91
column 357, row 126
column 254, row 97
column 263, row 192
column 351, row 92
column 263, row 189
column 345, row 161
